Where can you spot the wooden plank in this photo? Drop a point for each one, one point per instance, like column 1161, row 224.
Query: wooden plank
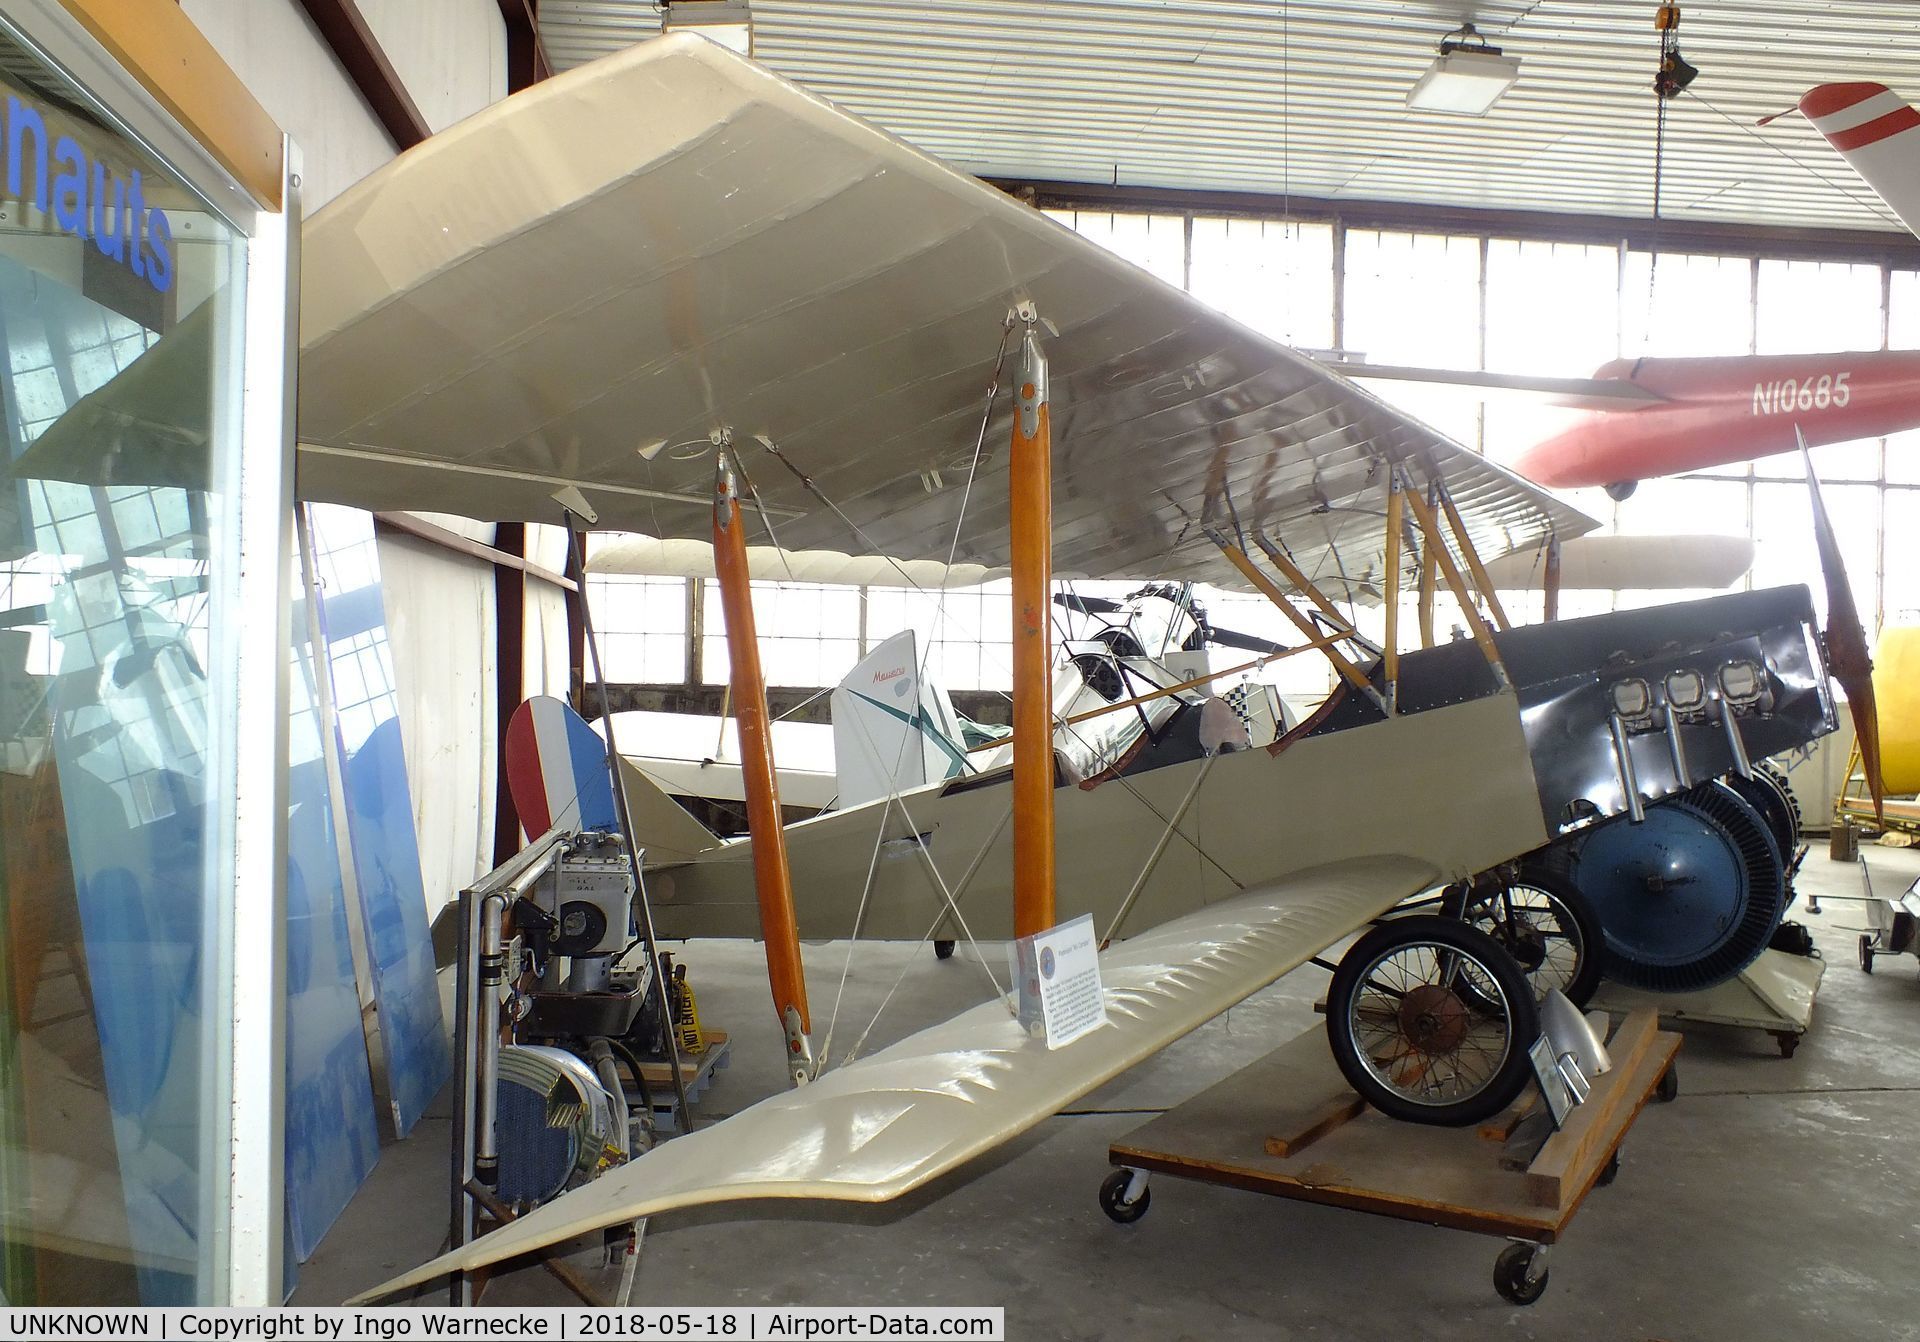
column 1574, row 1154
column 694, row 1070
column 1407, row 1171
column 1336, row 1109
column 1440, row 1176
column 1304, row 1095
column 181, row 69
column 1501, row 1125
column 347, row 35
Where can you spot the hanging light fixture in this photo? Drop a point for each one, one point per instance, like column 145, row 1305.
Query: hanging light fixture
column 1467, row 77
column 728, row 22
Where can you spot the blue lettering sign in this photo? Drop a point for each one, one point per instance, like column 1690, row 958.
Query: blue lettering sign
column 85, row 198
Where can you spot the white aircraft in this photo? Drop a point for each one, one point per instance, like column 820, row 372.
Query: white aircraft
column 671, row 266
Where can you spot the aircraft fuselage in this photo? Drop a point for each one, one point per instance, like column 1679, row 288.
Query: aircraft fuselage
column 1725, row 410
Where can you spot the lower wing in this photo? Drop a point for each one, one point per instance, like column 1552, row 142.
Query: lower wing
column 881, row 1127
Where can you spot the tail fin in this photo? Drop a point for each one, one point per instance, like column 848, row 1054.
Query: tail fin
column 1879, row 136
column 892, row 730
column 659, row 824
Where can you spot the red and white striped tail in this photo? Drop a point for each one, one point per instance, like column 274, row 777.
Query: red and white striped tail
column 1878, row 134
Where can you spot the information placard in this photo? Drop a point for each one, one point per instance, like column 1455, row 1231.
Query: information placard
column 1058, row 978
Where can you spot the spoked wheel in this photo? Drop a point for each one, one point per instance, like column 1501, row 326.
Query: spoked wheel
column 1430, row 1021
column 1540, row 920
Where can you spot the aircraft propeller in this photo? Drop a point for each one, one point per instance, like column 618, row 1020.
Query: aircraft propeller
column 1087, row 605
column 1226, row 638
column 1229, row 638
column 1848, row 658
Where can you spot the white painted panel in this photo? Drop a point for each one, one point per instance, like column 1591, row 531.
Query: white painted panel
column 274, row 48
column 450, row 54
column 440, row 622
column 545, row 662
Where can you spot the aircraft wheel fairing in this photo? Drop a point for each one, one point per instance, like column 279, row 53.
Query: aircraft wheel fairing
column 1688, row 897
column 1430, row 1021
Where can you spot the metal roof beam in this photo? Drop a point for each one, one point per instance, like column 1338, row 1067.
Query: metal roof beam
column 344, row 29
column 1670, row 235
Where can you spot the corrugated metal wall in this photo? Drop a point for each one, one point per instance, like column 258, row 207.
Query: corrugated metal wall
column 1308, row 96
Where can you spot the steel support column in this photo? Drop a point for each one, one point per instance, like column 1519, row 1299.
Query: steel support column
column 344, row 29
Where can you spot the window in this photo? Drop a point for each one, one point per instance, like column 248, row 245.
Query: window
column 809, row 633
column 641, row 623
column 1274, row 276
column 1414, row 298
column 121, row 626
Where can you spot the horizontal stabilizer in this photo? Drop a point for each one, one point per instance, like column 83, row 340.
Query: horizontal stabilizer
column 658, row 824
column 883, row 1126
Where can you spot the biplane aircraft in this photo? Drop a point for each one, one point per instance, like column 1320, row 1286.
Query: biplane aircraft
column 654, row 289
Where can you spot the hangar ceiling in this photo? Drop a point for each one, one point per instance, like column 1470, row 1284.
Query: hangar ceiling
column 1307, row 97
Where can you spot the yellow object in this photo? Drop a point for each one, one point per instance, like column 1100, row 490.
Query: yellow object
column 693, row 1039
column 1896, row 689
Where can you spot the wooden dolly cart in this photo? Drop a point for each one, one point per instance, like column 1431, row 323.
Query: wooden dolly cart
column 1289, row 1126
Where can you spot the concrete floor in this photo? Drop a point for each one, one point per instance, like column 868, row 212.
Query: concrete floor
column 1775, row 1199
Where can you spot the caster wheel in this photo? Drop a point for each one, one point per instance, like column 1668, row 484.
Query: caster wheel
column 1113, row 1192
column 1788, row 1042
column 1520, row 1274
column 1669, row 1088
column 943, row 950
column 1609, row 1171
column 1866, row 953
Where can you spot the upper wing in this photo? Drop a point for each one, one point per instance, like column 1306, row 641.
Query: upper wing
column 880, row 1127
column 1879, row 136
column 583, row 282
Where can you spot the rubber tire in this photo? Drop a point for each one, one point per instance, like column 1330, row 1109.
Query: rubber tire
column 1866, row 953
column 1510, row 1275
column 943, row 950
column 1113, row 1188
column 1609, row 1171
column 1433, row 929
column 1586, row 974
column 1667, row 1090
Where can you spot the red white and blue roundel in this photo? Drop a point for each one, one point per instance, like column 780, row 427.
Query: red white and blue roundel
column 557, row 769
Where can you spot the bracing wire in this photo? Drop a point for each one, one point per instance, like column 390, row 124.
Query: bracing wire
column 910, row 737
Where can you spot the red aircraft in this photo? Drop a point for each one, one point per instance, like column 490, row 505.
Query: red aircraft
column 1714, row 411
column 1660, row 416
